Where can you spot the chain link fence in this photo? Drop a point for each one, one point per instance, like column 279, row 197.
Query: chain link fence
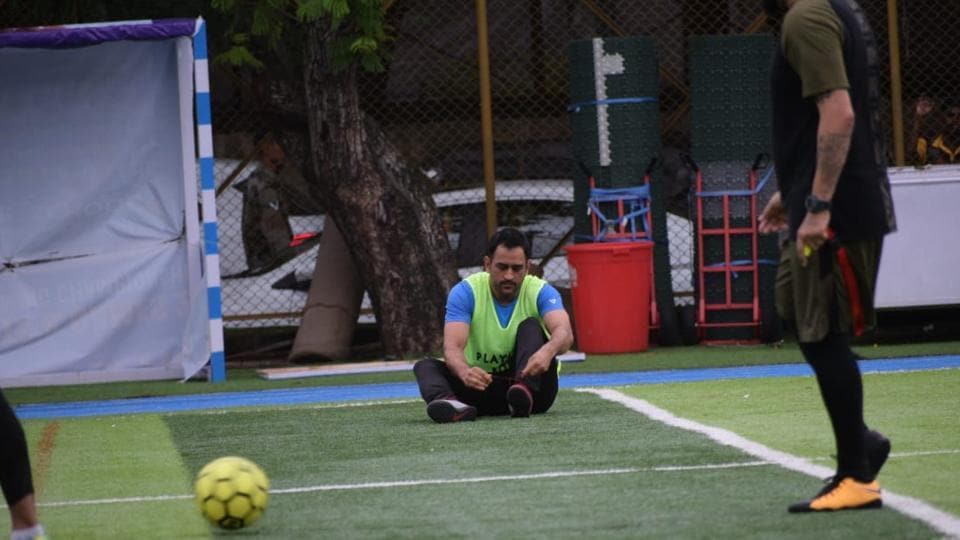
column 428, row 101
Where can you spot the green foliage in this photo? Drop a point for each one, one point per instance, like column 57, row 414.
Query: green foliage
column 238, row 54
column 358, row 27
column 360, row 30
column 268, row 21
column 315, row 9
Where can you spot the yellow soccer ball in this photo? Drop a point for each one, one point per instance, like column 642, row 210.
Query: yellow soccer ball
column 232, row 492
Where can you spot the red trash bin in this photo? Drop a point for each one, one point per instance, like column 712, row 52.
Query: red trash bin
column 610, row 286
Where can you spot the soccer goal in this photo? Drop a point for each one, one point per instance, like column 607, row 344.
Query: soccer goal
column 107, row 269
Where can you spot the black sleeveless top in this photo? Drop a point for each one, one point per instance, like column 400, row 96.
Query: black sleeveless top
column 862, row 207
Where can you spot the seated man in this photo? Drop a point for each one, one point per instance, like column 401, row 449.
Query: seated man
column 502, row 333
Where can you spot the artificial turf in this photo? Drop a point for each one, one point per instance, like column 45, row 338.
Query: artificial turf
column 587, row 469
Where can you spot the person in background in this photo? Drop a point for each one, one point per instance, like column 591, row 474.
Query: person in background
column 265, row 229
column 937, row 139
column 15, row 477
column 502, row 333
column 834, row 199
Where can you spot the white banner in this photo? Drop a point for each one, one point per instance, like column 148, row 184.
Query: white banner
column 94, row 279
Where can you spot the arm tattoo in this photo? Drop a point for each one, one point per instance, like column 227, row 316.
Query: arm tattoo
column 833, row 139
column 832, row 151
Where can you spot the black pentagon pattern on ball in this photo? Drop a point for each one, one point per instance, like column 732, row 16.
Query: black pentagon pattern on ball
column 252, row 474
column 230, row 520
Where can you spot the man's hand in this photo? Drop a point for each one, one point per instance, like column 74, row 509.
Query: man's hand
column 455, row 335
column 774, row 216
column 558, row 325
column 476, row 378
column 538, row 363
column 812, row 234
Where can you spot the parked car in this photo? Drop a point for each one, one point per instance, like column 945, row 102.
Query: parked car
column 543, row 209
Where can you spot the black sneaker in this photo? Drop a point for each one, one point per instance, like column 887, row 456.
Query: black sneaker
column 877, row 448
column 444, row 411
column 520, row 400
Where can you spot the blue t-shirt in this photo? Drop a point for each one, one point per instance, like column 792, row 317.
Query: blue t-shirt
column 460, row 304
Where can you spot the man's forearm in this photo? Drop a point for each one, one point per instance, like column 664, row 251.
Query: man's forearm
column 456, row 361
column 832, row 149
column 559, row 342
column 833, row 141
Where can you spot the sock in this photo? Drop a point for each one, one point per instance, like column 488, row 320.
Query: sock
column 841, row 387
column 28, row 534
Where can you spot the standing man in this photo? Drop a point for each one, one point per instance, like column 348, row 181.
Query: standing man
column 834, row 199
column 501, row 335
column 15, row 477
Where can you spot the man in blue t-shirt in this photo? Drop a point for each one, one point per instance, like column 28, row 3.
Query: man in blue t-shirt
column 501, row 335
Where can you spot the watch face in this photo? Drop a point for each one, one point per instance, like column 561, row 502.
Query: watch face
column 816, row 205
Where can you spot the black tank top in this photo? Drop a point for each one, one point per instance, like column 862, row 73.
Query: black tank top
column 862, row 207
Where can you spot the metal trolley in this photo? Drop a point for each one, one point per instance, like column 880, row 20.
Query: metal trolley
column 728, row 263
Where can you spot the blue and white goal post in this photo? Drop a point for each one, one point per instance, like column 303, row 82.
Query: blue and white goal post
column 106, row 273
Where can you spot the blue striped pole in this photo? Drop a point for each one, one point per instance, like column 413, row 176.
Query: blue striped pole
column 201, row 89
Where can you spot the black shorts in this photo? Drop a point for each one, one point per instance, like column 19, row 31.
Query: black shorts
column 833, row 293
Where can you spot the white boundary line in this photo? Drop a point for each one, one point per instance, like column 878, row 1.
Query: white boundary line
column 918, row 453
column 533, row 476
column 433, row 482
column 938, row 519
column 294, row 406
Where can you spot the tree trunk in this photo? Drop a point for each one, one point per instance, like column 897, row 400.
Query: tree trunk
column 386, row 214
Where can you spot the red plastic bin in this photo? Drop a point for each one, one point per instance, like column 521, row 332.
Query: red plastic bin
column 610, row 286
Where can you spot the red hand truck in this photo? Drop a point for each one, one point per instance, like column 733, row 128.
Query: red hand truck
column 731, row 310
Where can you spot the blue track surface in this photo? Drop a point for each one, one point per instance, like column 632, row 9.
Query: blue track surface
column 328, row 394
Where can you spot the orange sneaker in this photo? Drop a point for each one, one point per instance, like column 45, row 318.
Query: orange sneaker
column 842, row 494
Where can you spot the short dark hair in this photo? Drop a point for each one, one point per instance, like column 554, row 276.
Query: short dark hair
column 509, row 238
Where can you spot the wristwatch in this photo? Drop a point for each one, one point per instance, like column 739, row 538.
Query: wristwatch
column 815, row 205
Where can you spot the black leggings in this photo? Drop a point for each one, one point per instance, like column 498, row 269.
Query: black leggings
column 15, row 478
column 841, row 387
column 436, row 381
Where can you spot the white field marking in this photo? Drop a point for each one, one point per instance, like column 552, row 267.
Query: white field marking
column 343, row 405
column 433, row 482
column 919, row 453
column 902, row 371
column 909, row 506
column 360, row 404
column 118, row 500
column 534, row 476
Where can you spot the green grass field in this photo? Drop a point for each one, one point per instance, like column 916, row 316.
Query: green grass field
column 590, row 468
